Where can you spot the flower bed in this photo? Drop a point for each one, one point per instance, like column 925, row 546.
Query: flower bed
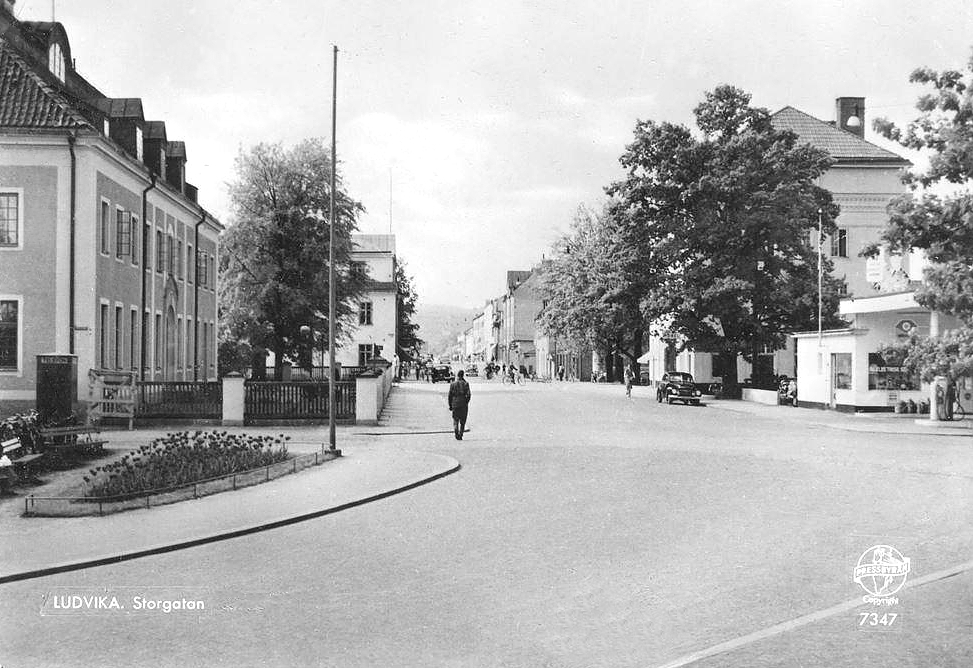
column 183, row 458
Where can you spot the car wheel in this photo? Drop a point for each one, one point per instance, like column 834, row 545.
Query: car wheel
column 696, row 402
column 668, row 401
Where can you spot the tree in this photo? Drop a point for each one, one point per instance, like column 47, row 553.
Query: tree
column 274, row 259
column 722, row 222
column 939, row 224
column 590, row 295
column 406, row 331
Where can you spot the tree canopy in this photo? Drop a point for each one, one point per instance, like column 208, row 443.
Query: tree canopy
column 721, row 222
column 407, row 332
column 274, row 255
column 941, row 225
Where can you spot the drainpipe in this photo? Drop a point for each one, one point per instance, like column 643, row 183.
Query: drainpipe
column 196, row 297
column 72, row 138
column 143, row 267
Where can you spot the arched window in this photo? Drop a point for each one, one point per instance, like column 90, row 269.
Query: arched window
column 55, row 60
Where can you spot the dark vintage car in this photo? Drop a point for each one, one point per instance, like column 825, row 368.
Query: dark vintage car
column 441, row 372
column 678, row 386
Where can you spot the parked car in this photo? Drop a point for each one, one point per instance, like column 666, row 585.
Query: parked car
column 441, row 372
column 678, row 386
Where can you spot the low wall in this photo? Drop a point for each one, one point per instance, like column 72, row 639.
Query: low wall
column 768, row 397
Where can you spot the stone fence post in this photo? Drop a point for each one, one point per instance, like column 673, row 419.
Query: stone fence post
column 233, row 400
column 367, row 407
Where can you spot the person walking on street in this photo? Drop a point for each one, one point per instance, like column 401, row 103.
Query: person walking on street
column 629, row 379
column 459, row 404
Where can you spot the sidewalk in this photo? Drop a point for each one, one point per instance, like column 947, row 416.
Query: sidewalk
column 875, row 423
column 30, row 547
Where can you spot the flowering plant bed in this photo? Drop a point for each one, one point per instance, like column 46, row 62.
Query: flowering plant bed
column 183, row 458
column 178, row 467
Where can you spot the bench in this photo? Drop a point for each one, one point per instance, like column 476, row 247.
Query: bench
column 21, row 465
column 67, row 442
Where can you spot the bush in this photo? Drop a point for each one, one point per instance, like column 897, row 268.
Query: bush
column 183, row 458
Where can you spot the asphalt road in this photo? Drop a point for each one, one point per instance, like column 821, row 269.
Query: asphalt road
column 585, row 529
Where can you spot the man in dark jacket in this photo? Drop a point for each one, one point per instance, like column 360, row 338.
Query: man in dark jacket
column 459, row 403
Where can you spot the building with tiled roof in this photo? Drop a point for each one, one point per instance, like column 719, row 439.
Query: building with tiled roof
column 862, row 179
column 105, row 252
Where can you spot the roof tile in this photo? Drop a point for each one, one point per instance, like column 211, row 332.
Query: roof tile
column 27, row 101
column 842, row 145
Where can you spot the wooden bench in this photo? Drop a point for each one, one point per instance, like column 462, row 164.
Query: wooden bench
column 66, row 443
column 22, row 465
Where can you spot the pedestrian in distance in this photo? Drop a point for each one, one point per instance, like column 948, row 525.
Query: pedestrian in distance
column 560, row 373
column 629, row 380
column 459, row 403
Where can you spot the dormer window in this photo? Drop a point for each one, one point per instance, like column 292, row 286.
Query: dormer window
column 55, row 60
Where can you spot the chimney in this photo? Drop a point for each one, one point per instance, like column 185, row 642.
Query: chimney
column 850, row 115
column 155, row 147
column 126, row 123
column 176, row 165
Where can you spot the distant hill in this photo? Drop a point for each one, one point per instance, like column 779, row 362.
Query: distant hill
column 439, row 325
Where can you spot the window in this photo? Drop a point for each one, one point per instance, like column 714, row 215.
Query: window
column 201, row 268
column 139, row 146
column 170, row 257
column 211, row 272
column 885, row 376
column 358, row 269
column 365, row 313
column 179, row 259
column 119, row 339
column 133, row 340
column 145, row 341
column 190, row 268
column 123, row 233
column 841, row 370
column 160, row 252
column 157, row 361
column 205, row 343
column 55, row 60
column 10, row 220
column 105, row 227
column 366, row 352
column 839, row 243
column 103, row 334
column 9, row 335
column 135, row 227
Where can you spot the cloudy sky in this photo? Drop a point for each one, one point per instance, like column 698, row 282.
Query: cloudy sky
column 488, row 123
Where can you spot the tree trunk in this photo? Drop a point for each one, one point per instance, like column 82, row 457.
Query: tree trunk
column 731, row 384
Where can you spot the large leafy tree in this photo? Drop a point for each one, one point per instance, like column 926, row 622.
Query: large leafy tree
column 590, row 290
column 274, row 255
column 407, row 332
column 939, row 224
column 722, row 220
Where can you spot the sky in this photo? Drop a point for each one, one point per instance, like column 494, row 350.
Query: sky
column 475, row 130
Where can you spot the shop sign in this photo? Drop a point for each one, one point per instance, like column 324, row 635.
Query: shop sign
column 904, row 328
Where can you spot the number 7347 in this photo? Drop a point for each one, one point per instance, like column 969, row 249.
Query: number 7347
column 874, row 619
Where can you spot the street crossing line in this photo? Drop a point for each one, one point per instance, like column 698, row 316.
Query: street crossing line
column 804, row 620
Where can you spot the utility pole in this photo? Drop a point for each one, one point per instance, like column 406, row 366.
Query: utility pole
column 332, row 404
column 820, row 271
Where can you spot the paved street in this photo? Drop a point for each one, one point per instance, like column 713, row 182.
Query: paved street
column 584, row 529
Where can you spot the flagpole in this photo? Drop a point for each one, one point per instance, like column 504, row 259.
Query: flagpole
column 820, row 270
column 332, row 404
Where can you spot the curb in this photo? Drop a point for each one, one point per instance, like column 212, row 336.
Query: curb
column 863, row 429
column 217, row 537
